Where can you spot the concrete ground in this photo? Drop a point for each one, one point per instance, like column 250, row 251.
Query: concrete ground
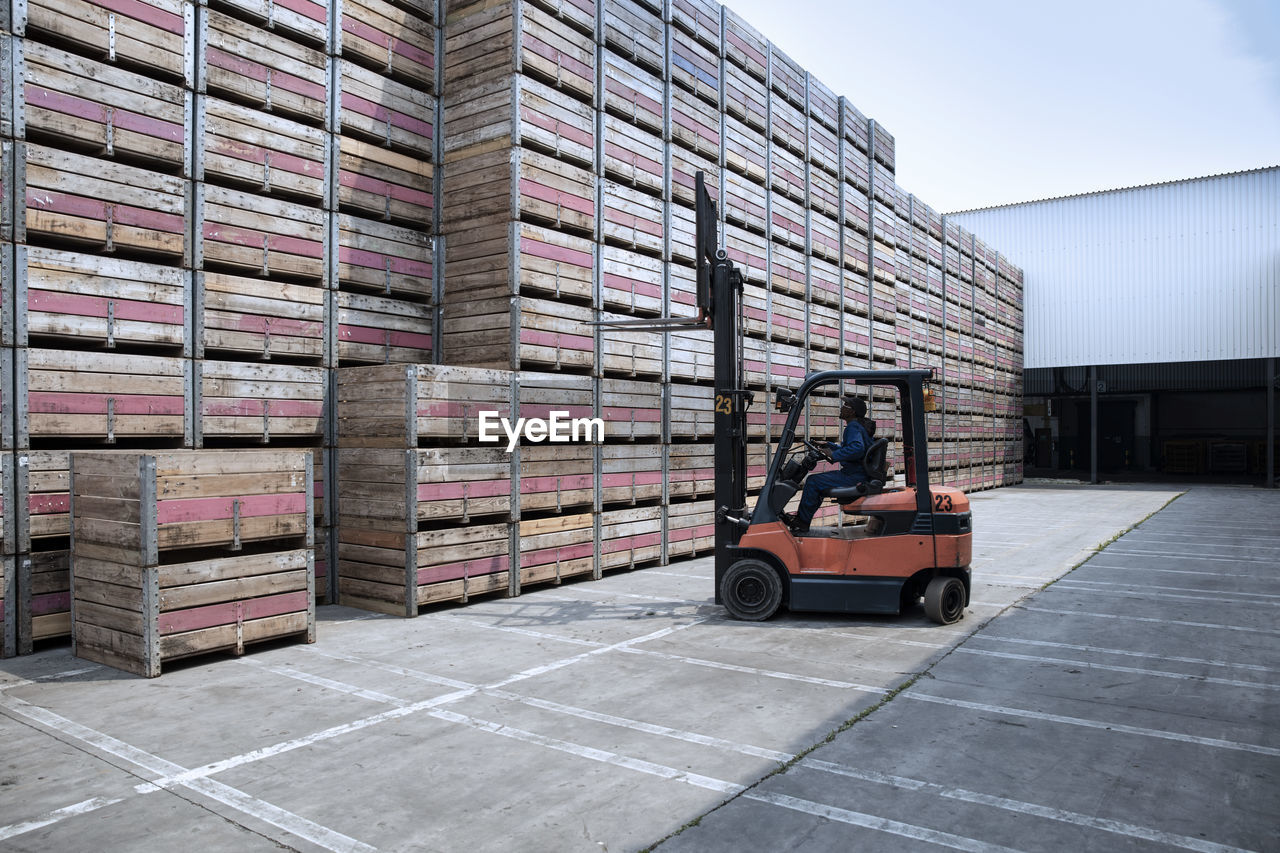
column 1131, row 705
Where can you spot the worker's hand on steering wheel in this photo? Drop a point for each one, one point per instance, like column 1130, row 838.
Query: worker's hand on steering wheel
column 824, row 452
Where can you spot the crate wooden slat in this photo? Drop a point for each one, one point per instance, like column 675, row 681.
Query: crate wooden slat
column 695, row 126
column 307, row 20
column 555, row 548
column 787, row 365
column 787, row 222
column 824, row 282
column 93, row 106
column 378, row 330
column 150, row 35
column 270, row 72
column 825, row 328
column 787, row 175
column 505, row 258
column 490, row 114
column 391, row 40
column 824, row 237
column 692, row 411
column 529, row 332
column 632, row 156
column 630, row 473
column 544, row 395
column 254, row 234
column 631, row 283
column 695, row 66
column 691, row 357
column 691, row 528
column 556, row 477
column 631, row 219
column 71, row 199
column 384, row 184
column 745, row 152
column 102, row 396
column 787, row 274
column 379, row 109
column 744, row 46
column 691, row 470
column 517, row 183
column 259, row 318
column 824, row 104
column 630, row 537
column 258, row 151
column 745, row 203
column 788, row 78
column 43, row 609
column 632, row 93
column 42, row 500
column 632, row 31
column 382, row 258
column 630, row 355
column 750, row 251
column 746, row 99
column 579, row 13
column 262, row 402
column 631, row 410
column 700, row 18
column 86, row 300
column 403, row 406
column 882, row 148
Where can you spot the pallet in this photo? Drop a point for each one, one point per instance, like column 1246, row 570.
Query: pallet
column 263, row 70
column 378, row 330
column 631, row 409
column 261, row 402
column 692, row 411
column 695, row 66
column 397, row 42
column 630, row 473
column 630, row 283
column 407, row 406
column 516, row 111
column 100, row 205
column 92, row 106
column 630, row 537
column 376, row 108
column 556, row 548
column 632, row 93
column 691, row 471
column 376, row 257
column 518, row 184
column 245, row 233
column 631, row 219
column 258, row 318
column 306, row 20
column 635, row 32
column 102, row 396
column 554, row 478
column 691, row 529
column 263, row 153
column 77, row 299
column 151, row 35
column 632, row 156
column 387, row 185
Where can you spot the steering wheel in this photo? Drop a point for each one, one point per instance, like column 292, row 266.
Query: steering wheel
column 821, row 451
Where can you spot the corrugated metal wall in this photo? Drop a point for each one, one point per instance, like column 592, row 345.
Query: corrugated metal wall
column 1177, row 272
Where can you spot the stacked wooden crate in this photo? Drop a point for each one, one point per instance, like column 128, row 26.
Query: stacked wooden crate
column 178, row 553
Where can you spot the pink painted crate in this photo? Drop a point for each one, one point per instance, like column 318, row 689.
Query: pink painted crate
column 517, row 111
column 378, row 108
column 557, row 547
column 632, row 220
column 307, row 20
column 256, row 235
column 258, row 318
column 262, row 69
column 407, row 406
column 630, row 537
column 695, row 65
column 632, row 93
column 150, row 35
column 691, row 529
column 261, row 402
column 381, row 258
column 636, row 32
column 260, row 152
column 630, row 473
column 391, row 40
column 379, row 330
column 691, row 470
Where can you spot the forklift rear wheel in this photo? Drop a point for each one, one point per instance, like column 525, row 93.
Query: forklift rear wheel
column 751, row 590
column 944, row 600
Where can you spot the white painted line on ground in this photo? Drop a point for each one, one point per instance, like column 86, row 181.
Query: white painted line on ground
column 1094, row 564
column 1140, row 588
column 49, row 818
column 1141, row 592
column 328, row 684
column 880, row 824
column 1111, row 651
column 1124, row 617
column 1217, row 743
column 678, row 575
column 1020, row 807
column 1226, row 682
column 1200, row 537
column 394, row 669
column 45, row 679
column 751, row 670
column 1199, row 558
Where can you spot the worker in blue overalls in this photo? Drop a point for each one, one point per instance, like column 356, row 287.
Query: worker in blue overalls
column 849, row 453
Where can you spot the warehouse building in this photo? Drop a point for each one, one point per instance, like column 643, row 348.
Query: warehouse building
column 1152, row 326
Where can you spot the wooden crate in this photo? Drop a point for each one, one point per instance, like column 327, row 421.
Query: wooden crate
column 263, row 153
column 632, row 410
column 407, row 406
column 376, row 108
column 745, row 203
column 378, row 330
column 632, row 156
column 691, row 470
column 631, row 219
column 746, row 99
column 631, row 283
column 824, row 194
column 307, row 20
column 43, row 610
column 788, row 273
column 556, row 547
column 824, row 237
column 42, row 500
column 151, row 35
column 695, row 126
column 102, row 396
column 630, row 537
column 691, row 529
column 824, row 106
column 789, row 128
column 101, row 205
column 78, row 299
column 262, row 69
column 388, row 185
column 786, row 78
column 787, row 365
column 262, row 402
column 824, row 282
column 882, row 147
column 787, row 176
column 258, row 318
column 699, row 18
column 632, row 93
column 695, row 65
column 517, row 183
column 391, row 40
column 505, row 258
column 557, row 477
column 692, row 411
column 484, row 40
column 142, row 595
column 490, row 114
column 744, row 46
column 824, row 327
column 630, row 355
column 683, row 168
column 635, row 32
column 247, row 233
column 84, row 104
column 524, row 331
column 691, row 357
column 630, row 473
column 377, row 257
column 787, row 222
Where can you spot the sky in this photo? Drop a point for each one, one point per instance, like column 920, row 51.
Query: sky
column 995, row 102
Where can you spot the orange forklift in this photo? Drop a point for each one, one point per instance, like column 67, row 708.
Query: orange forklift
column 914, row 542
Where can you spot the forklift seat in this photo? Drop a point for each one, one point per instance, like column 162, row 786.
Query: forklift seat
column 876, row 465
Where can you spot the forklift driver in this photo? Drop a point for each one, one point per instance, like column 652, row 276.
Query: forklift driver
column 853, row 446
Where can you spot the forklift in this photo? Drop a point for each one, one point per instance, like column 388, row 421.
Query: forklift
column 911, row 543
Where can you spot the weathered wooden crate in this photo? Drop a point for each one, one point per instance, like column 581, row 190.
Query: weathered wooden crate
column 699, row 18
column 744, row 46
column 258, row 318
column 631, row 410
column 824, row 282
column 631, row 219
column 755, row 363
column 630, row 473
column 775, row 316
column 514, row 332
column 84, row 104
column 378, row 109
column 691, row 470
column 102, row 396
column 691, row 528
column 824, row 105
column 882, row 147
column 98, row 301
column 261, row 402
column 378, row 257
column 407, row 405
column 512, row 111
column 556, row 547
column 392, row 40
column 630, row 355
column 788, row 270
column 484, row 40
column 632, row 156
column 379, row 330
column 824, row 236
column 580, row 14
column 504, row 258
column 787, row 78
column 542, row 395
column 690, row 357
column 746, row 100
column 630, row 537
column 695, row 125
column 692, row 411
column 142, row 595
column 684, row 167
column 265, row 70
column 853, row 127
column 787, row 365
column 102, row 205
column 824, row 194
column 263, row 153
column 787, row 222
column 556, row 477
column 632, row 93
column 825, row 330
column 856, row 214
column 745, row 203
column 787, row 175
column 636, row 32
column 517, row 183
column 42, row 597
column 695, row 66
column 385, row 184
column 631, row 283
column 307, row 20
column 683, row 240
column 151, row 35
column 882, row 185
column 248, row 233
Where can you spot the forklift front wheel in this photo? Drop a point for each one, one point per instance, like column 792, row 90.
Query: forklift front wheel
column 751, row 590
column 944, row 600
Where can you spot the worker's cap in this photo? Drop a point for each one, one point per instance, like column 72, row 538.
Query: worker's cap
column 858, row 405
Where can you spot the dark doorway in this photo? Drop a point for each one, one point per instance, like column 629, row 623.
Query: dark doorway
column 1116, row 435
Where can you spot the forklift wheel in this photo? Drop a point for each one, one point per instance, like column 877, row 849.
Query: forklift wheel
column 944, row 600
column 752, row 591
